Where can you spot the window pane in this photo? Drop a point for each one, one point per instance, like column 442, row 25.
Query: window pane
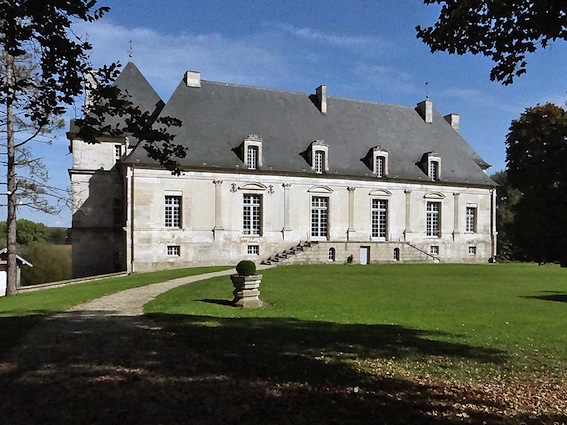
column 471, row 219
column 379, row 218
column 319, row 161
column 379, row 166
column 433, row 219
column 252, row 157
column 319, row 217
column 172, row 211
column 251, row 215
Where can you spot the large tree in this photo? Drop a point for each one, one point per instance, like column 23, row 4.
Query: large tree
column 37, row 35
column 504, row 30
column 536, row 154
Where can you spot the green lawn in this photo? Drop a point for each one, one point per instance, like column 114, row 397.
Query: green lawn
column 454, row 320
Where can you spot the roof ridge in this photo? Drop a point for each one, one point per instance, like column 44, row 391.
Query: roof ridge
column 247, row 86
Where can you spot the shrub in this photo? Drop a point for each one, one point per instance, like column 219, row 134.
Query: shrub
column 246, row 268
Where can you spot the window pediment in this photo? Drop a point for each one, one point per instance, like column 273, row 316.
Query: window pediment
column 320, row 189
column 380, row 192
column 256, row 187
column 434, row 195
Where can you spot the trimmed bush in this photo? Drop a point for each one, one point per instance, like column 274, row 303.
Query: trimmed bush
column 246, row 268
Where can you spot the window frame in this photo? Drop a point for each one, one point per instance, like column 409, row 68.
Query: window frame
column 379, row 219
column 252, row 214
column 319, row 218
column 433, row 219
column 173, row 207
column 174, row 250
column 471, row 219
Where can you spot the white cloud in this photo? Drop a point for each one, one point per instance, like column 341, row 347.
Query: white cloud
column 362, row 44
column 164, row 58
column 386, row 77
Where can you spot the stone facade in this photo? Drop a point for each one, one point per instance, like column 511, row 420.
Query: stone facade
column 132, row 215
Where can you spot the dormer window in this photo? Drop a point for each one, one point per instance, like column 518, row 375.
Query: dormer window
column 252, row 152
column 319, row 161
column 434, row 170
column 380, row 161
column 431, row 162
column 319, row 157
column 252, row 157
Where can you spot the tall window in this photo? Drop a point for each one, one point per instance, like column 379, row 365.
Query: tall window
column 433, row 221
column 379, row 219
column 172, row 211
column 470, row 225
column 252, row 157
column 319, row 161
column 434, row 170
column 319, row 217
column 251, row 215
column 380, row 166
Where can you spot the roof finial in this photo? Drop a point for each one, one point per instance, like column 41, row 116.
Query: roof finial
column 427, row 90
column 130, row 51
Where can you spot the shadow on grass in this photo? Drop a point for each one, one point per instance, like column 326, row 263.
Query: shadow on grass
column 551, row 296
column 84, row 368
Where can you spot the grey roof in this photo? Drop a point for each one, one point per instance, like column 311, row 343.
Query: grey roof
column 138, row 90
column 141, row 93
column 217, row 117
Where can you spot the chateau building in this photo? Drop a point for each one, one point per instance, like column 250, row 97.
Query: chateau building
column 274, row 175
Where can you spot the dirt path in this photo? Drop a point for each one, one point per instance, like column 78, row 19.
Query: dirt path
column 60, row 371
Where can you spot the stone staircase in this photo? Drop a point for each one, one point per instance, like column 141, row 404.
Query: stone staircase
column 285, row 255
column 380, row 252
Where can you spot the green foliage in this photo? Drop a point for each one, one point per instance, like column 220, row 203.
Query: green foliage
column 51, row 263
column 505, row 31
column 516, row 310
column 536, row 154
column 506, row 201
column 246, row 268
column 27, row 231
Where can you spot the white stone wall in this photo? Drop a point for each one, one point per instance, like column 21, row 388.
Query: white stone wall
column 211, row 231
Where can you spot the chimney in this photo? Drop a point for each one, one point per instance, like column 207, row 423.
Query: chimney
column 454, row 120
column 193, row 79
column 321, row 93
column 425, row 109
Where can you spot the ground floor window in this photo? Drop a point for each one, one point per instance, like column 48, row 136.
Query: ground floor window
column 253, row 249
column 379, row 219
column 252, row 215
column 319, row 217
column 173, row 250
column 472, row 250
column 433, row 219
column 434, row 249
column 332, row 254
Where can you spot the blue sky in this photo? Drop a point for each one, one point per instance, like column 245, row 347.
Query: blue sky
column 363, row 50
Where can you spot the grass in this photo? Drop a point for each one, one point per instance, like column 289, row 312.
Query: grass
column 456, row 321
column 19, row 312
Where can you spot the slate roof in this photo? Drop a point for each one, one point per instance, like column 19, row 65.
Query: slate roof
column 140, row 92
column 217, row 117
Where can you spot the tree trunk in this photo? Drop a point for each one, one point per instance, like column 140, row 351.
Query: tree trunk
column 12, row 267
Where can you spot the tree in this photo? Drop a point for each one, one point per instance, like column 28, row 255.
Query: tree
column 536, row 154
column 504, row 30
column 45, row 66
column 508, row 198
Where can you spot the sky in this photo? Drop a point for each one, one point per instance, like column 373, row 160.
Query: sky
column 364, row 50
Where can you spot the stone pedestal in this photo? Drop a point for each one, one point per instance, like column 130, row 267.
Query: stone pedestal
column 246, row 291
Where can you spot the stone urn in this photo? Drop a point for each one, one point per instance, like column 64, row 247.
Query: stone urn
column 246, row 290
column 246, row 285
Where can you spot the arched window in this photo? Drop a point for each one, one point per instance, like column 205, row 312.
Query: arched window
column 332, row 254
column 397, row 254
